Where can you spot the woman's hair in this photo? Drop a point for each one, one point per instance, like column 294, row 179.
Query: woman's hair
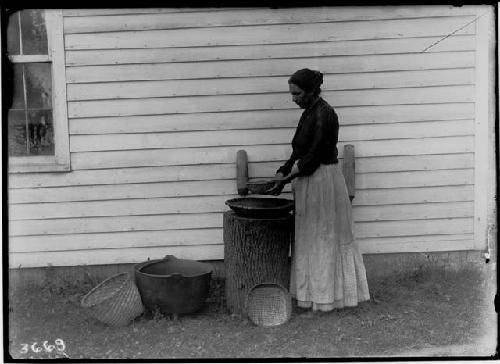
column 308, row 80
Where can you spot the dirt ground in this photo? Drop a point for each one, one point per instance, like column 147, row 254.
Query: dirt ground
column 427, row 313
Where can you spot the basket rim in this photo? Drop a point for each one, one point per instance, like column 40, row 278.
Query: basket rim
column 268, row 284
column 260, row 182
column 85, row 298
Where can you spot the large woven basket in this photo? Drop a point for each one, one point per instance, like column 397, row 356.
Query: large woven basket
column 115, row 301
column 268, row 304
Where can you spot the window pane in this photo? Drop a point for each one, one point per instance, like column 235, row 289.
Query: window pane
column 41, row 132
column 17, row 133
column 13, row 44
column 34, row 34
column 38, row 85
column 17, row 87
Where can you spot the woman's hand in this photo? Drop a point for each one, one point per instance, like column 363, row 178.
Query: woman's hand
column 279, row 184
column 278, row 176
column 277, row 188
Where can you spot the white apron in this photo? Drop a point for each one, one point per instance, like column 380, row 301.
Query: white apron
column 327, row 267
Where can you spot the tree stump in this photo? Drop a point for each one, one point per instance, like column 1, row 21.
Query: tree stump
column 255, row 251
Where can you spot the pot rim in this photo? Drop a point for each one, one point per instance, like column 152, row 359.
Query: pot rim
column 142, row 265
column 287, row 203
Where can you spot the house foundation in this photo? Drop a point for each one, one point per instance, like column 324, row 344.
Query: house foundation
column 378, row 266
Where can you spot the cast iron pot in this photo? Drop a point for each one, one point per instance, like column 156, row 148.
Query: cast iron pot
column 173, row 285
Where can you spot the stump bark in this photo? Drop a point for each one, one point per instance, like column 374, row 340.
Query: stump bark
column 255, row 251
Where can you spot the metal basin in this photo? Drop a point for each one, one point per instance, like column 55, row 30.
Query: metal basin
column 261, row 207
column 173, row 285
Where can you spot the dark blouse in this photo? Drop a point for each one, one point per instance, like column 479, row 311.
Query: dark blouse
column 315, row 140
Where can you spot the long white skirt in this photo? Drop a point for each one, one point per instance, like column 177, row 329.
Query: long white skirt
column 327, row 268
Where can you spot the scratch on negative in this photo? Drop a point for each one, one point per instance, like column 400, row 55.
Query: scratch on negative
column 449, row 35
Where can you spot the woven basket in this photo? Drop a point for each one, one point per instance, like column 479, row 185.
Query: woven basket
column 115, row 301
column 269, row 304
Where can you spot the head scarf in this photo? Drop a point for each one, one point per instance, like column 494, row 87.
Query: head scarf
column 308, row 80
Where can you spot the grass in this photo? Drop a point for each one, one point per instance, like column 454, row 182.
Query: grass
column 427, row 313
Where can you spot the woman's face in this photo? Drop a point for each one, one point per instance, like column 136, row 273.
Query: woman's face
column 299, row 96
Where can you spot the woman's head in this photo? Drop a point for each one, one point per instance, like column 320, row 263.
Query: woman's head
column 305, row 86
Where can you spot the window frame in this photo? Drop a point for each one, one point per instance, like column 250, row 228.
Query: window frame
column 60, row 161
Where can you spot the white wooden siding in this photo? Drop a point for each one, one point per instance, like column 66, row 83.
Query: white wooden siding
column 272, row 34
column 261, row 85
column 160, row 101
column 269, row 67
column 85, row 57
column 223, row 103
column 93, row 21
column 259, row 119
column 431, row 129
column 119, row 176
column 371, row 196
column 260, row 153
column 212, row 220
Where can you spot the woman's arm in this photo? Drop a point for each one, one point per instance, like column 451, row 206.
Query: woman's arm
column 293, row 173
column 283, row 180
column 283, row 174
column 287, row 167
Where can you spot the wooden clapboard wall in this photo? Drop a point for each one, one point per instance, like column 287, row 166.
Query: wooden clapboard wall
column 160, row 100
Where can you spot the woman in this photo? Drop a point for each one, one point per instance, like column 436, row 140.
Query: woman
column 327, row 267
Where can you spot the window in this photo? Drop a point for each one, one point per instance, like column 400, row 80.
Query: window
column 37, row 117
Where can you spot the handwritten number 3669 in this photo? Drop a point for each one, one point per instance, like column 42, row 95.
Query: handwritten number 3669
column 59, row 346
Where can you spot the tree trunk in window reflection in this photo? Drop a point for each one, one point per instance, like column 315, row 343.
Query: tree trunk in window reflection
column 41, row 135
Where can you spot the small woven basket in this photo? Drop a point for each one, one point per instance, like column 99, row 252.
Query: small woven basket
column 259, row 187
column 115, row 301
column 269, row 304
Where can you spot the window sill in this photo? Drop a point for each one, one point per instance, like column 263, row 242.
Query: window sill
column 36, row 164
